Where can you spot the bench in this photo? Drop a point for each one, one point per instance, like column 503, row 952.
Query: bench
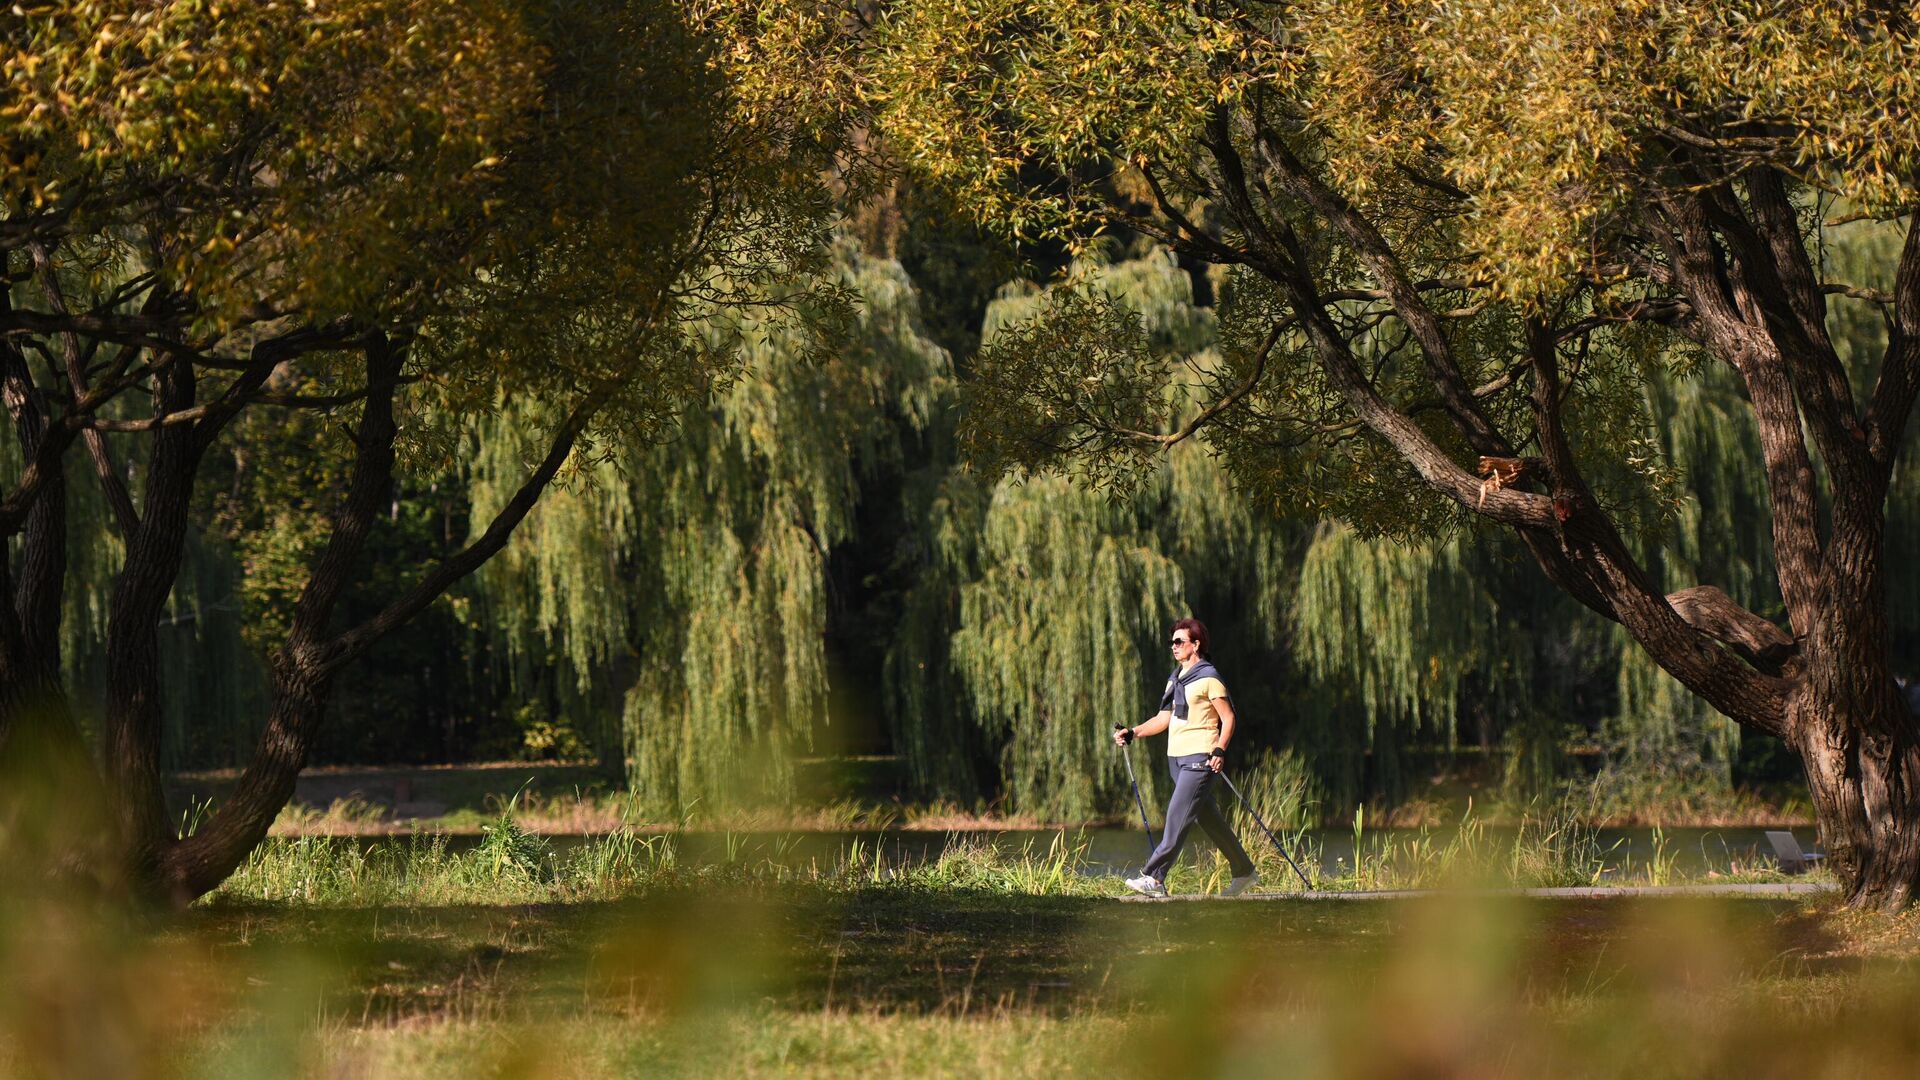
column 1787, row 850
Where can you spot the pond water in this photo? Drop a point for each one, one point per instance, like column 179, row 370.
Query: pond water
column 1693, row 851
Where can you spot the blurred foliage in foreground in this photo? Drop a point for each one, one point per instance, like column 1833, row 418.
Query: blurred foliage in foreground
column 954, row 969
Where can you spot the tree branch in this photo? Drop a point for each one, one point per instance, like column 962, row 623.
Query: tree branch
column 1857, row 292
column 44, row 439
column 1790, row 266
column 1377, row 255
column 356, row 641
column 119, row 502
column 1778, row 295
column 1506, row 505
column 137, row 331
column 1206, row 415
column 1683, row 226
column 1708, row 609
column 1202, row 241
column 1893, row 396
column 1590, row 550
column 266, row 356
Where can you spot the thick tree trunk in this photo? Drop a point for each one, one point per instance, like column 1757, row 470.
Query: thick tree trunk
column 198, row 864
column 1855, row 733
column 133, row 706
column 302, row 680
column 1866, row 798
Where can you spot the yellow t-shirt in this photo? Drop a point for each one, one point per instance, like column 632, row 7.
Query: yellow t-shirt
column 1198, row 732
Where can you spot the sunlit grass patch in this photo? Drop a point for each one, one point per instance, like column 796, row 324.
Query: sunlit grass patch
column 769, row 1042
column 349, row 816
column 510, row 864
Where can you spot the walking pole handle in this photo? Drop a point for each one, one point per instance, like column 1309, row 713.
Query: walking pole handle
column 1146, row 825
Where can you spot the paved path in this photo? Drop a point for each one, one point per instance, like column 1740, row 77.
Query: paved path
column 1773, row 891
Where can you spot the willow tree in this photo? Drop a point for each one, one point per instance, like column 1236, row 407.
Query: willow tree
column 1038, row 615
column 409, row 213
column 685, row 578
column 1533, row 199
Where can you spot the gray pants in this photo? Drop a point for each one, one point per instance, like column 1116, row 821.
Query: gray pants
column 1193, row 801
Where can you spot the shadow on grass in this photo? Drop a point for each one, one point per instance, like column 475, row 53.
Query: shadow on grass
column 680, row 952
column 895, row 981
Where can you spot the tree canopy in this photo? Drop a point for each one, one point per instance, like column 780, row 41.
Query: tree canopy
column 1464, row 231
column 403, row 215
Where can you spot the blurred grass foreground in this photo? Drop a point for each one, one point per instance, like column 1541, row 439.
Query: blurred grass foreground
column 332, row 957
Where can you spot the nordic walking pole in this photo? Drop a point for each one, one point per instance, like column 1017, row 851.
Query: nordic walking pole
column 1263, row 828
column 1127, row 755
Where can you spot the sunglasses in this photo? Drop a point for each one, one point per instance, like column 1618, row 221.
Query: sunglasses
column 1177, row 642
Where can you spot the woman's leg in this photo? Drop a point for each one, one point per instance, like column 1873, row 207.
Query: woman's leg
column 1188, row 786
column 1221, row 832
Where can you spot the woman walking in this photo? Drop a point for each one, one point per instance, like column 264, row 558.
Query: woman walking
column 1198, row 715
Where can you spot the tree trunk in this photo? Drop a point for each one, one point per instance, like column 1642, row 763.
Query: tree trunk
column 1866, row 799
column 1858, row 740
column 133, row 706
column 302, row 681
column 198, row 864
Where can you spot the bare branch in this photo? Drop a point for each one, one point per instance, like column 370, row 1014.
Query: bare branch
column 1206, row 415
column 1857, row 292
column 322, row 401
column 1708, row 609
column 119, row 502
column 268, row 355
column 356, row 641
column 1198, row 238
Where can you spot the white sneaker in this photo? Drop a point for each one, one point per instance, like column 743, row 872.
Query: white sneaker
column 1146, row 886
column 1241, row 884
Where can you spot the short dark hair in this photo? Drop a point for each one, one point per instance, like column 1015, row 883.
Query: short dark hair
column 1196, row 630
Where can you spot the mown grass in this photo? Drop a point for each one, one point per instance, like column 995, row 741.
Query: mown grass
column 618, row 957
column 926, row 977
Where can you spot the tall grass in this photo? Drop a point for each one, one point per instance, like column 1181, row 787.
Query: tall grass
column 343, row 872
column 1551, row 847
column 1622, row 796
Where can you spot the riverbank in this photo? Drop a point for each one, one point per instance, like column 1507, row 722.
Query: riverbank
column 510, row 865
column 579, row 799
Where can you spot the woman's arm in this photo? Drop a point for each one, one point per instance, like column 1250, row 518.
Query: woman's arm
column 1223, row 706
column 1155, row 724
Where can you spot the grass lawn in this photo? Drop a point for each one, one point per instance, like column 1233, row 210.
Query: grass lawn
column 749, row 977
